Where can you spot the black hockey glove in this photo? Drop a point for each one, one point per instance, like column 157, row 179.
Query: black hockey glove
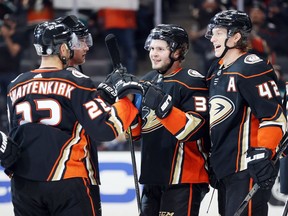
column 107, row 91
column 125, row 83
column 9, row 151
column 157, row 100
column 261, row 168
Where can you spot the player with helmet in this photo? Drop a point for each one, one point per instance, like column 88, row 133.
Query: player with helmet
column 85, row 40
column 54, row 116
column 174, row 128
column 246, row 116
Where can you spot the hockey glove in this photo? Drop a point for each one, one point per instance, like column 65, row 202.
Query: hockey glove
column 261, row 168
column 9, row 151
column 107, row 91
column 125, row 83
column 157, row 100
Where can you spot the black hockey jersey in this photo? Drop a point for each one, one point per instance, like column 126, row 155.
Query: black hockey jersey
column 173, row 149
column 245, row 111
column 52, row 115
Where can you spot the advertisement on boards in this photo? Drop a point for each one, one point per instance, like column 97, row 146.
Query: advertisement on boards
column 118, row 189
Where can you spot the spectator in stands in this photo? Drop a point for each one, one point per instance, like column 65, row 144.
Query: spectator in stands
column 206, row 10
column 145, row 22
column 277, row 16
column 256, row 41
column 13, row 40
column 122, row 23
column 39, row 11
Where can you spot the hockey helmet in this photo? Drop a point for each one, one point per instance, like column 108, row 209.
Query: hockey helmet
column 174, row 35
column 48, row 36
column 234, row 21
column 78, row 27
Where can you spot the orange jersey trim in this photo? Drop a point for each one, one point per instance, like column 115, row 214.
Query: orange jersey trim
column 126, row 111
column 176, row 115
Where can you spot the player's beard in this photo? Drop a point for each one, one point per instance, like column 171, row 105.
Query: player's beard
column 160, row 65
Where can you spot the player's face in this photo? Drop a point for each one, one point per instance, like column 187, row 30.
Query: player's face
column 219, row 35
column 159, row 54
column 80, row 53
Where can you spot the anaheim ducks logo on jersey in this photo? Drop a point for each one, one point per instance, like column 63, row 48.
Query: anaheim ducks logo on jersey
column 221, row 108
column 150, row 121
column 252, row 59
column 195, row 73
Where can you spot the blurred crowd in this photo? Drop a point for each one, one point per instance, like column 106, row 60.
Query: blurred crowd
column 19, row 17
column 269, row 33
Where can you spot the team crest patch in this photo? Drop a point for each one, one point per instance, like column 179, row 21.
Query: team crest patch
column 78, row 74
column 194, row 73
column 252, row 59
column 221, row 108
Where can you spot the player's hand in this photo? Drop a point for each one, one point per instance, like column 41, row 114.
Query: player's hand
column 261, row 168
column 125, row 83
column 107, row 91
column 130, row 97
column 9, row 151
column 157, row 100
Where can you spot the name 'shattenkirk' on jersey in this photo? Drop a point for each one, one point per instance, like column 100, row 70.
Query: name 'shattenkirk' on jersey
column 42, row 87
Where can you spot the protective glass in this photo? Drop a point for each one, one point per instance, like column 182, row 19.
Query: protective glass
column 73, row 42
column 83, row 41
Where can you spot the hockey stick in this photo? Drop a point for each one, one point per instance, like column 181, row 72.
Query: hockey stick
column 113, row 49
column 285, row 211
column 282, row 146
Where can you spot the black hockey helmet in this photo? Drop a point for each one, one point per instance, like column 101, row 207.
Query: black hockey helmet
column 234, row 21
column 78, row 27
column 174, row 35
column 48, row 36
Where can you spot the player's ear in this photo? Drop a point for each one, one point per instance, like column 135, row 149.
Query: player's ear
column 176, row 54
column 237, row 37
column 64, row 48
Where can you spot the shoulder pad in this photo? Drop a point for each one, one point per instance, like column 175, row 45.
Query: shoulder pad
column 251, row 64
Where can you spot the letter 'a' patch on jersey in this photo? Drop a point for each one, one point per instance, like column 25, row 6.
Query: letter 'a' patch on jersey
column 252, row 59
column 220, row 109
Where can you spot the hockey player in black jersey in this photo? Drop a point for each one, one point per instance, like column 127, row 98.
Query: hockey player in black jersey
column 246, row 116
column 9, row 151
column 174, row 129
column 54, row 113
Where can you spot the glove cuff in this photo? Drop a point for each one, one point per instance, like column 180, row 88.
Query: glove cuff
column 258, row 154
column 165, row 107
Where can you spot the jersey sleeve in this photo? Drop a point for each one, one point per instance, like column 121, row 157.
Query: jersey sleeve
column 102, row 121
column 189, row 116
column 259, row 89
